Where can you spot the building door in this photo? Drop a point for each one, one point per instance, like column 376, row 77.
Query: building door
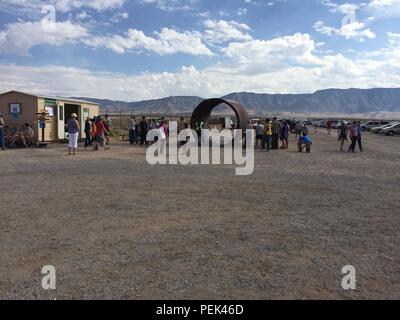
column 60, row 122
column 69, row 109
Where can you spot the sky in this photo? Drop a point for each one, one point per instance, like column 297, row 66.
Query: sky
column 134, row 50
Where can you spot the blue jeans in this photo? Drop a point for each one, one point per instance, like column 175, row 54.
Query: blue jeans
column 267, row 142
column 2, row 142
column 132, row 136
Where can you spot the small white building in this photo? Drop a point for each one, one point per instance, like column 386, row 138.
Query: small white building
column 19, row 108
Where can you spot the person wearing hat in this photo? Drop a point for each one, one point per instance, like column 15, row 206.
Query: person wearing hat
column 73, row 133
column 2, row 141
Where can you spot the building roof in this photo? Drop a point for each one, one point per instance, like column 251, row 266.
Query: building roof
column 51, row 97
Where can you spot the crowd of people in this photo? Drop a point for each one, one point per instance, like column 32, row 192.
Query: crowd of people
column 352, row 132
column 270, row 133
column 138, row 130
column 21, row 137
column 97, row 132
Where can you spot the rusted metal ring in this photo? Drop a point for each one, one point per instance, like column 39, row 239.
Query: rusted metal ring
column 203, row 112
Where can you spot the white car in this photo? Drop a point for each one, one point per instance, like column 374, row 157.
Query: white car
column 379, row 129
column 367, row 126
column 338, row 124
column 392, row 130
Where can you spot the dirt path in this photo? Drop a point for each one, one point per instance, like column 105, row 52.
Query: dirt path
column 116, row 227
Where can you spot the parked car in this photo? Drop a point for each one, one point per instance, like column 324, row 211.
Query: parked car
column 337, row 124
column 392, row 130
column 322, row 124
column 379, row 129
column 373, row 124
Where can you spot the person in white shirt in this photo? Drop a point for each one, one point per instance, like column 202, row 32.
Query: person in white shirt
column 132, row 130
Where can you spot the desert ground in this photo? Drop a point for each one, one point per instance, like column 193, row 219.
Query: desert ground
column 115, row 227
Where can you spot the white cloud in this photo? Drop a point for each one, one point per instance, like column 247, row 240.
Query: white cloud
column 385, row 7
column 83, row 15
column 394, row 39
column 19, row 37
column 32, row 6
column 354, row 30
column 347, row 8
column 266, row 53
column 171, row 5
column 223, row 31
column 242, row 11
column 168, row 41
column 282, row 65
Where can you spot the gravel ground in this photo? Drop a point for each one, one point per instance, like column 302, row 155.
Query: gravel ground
column 117, row 228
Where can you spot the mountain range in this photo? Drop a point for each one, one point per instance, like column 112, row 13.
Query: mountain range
column 334, row 101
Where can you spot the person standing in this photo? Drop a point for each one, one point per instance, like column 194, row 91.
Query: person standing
column 304, row 130
column 276, row 130
column 100, row 134
column 132, row 130
column 342, row 135
column 2, row 133
column 287, row 134
column 359, row 136
column 73, row 133
column 298, row 128
column 93, row 130
column 199, row 128
column 108, row 125
column 182, row 125
column 284, row 135
column 353, row 136
column 268, row 134
column 163, row 135
column 260, row 134
column 88, row 139
column 29, row 135
column 144, row 129
column 329, row 127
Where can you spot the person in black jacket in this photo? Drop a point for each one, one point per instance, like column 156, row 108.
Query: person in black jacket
column 276, row 131
column 88, row 138
column 144, row 129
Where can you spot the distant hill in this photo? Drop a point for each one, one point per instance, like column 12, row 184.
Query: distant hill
column 343, row 101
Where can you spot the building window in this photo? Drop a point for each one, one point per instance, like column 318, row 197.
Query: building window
column 15, row 108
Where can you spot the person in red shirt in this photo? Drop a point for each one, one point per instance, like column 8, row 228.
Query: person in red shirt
column 353, row 136
column 100, row 134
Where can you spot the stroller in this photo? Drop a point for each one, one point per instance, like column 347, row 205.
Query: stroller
column 304, row 142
